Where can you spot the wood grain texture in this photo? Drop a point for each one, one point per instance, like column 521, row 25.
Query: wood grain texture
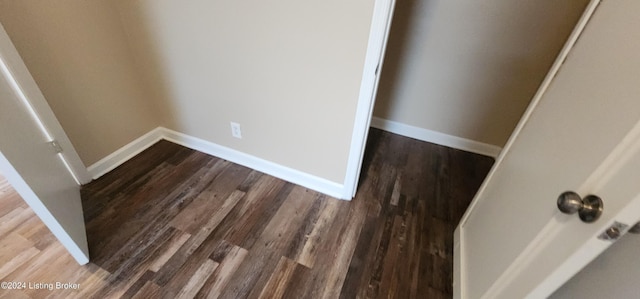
column 176, row 223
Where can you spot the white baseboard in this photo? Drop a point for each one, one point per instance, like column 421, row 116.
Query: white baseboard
column 282, row 172
column 436, row 137
column 125, row 153
column 297, row 177
column 306, row 180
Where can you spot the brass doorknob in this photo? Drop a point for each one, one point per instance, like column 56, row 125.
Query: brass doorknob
column 589, row 208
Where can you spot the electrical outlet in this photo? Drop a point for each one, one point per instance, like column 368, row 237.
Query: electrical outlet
column 235, row 130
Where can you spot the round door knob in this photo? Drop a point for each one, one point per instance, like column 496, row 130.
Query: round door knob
column 589, row 208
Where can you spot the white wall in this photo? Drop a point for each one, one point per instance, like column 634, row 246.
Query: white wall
column 77, row 52
column 288, row 71
column 470, row 68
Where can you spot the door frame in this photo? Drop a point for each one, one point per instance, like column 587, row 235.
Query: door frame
column 376, row 47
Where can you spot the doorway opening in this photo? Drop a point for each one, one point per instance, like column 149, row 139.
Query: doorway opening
column 459, row 75
column 462, row 74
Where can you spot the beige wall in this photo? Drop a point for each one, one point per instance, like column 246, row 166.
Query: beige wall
column 470, row 68
column 77, row 53
column 288, row 71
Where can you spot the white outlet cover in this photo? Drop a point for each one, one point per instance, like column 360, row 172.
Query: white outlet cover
column 235, row 130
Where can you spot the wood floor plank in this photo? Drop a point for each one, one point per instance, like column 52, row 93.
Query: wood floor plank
column 93, row 282
column 175, row 244
column 363, row 263
column 395, row 194
column 181, row 266
column 128, row 173
column 176, row 223
column 14, row 244
column 130, row 268
column 197, row 247
column 134, row 219
column 134, row 288
column 18, row 259
column 258, row 208
column 272, row 243
column 390, row 276
column 306, row 255
column 408, row 265
column 194, row 215
column 36, row 232
column 10, row 202
column 277, row 283
column 198, row 279
column 326, row 279
column 14, row 295
column 230, row 259
column 345, row 247
column 149, row 290
column 13, row 219
column 33, row 269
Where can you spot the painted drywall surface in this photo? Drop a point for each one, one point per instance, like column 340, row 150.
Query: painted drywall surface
column 470, row 68
column 288, row 72
column 78, row 54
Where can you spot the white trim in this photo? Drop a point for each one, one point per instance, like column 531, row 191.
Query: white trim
column 125, row 153
column 288, row 174
column 436, row 137
column 297, row 177
column 376, row 47
column 503, row 281
column 140, row 144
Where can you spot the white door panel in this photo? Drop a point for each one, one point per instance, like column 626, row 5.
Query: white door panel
column 30, row 163
column 514, row 238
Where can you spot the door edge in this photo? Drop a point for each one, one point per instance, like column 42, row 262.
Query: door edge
column 376, row 47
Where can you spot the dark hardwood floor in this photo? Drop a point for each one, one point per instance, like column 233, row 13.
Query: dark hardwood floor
column 173, row 222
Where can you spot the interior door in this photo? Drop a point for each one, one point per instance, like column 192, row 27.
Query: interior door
column 30, row 163
column 581, row 134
